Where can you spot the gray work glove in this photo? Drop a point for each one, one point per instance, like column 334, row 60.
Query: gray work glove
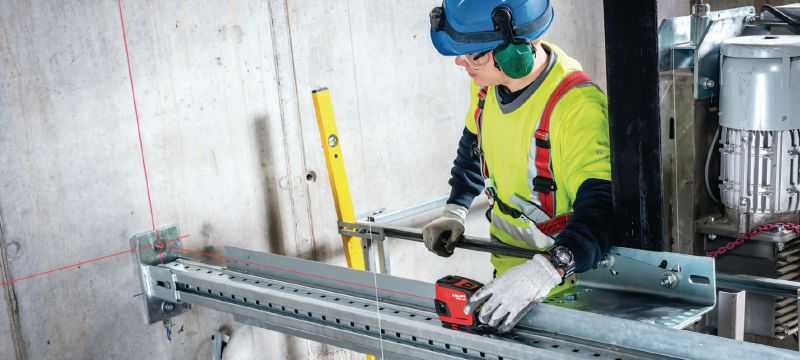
column 442, row 234
column 509, row 297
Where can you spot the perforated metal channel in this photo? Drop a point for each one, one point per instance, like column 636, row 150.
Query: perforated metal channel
column 342, row 323
column 387, row 310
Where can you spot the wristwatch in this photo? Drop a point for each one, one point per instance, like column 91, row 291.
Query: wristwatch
column 562, row 258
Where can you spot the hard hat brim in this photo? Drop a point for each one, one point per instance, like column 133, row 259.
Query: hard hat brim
column 446, row 46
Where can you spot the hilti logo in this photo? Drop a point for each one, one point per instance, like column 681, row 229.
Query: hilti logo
column 460, row 297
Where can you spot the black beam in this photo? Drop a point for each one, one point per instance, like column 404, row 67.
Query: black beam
column 634, row 124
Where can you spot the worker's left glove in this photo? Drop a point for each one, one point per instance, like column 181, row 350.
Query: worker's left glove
column 442, row 234
column 509, row 297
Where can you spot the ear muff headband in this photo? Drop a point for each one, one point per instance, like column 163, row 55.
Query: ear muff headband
column 514, row 56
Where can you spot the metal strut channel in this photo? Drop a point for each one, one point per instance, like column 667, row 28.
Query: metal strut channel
column 338, row 306
column 336, row 318
column 668, row 289
column 379, row 232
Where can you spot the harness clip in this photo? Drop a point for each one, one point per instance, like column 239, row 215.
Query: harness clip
column 542, row 139
column 543, row 185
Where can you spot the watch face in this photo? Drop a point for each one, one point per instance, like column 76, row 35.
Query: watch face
column 563, row 256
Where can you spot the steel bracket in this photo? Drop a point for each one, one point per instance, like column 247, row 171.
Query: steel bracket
column 161, row 300
column 661, row 288
column 679, row 47
column 362, row 230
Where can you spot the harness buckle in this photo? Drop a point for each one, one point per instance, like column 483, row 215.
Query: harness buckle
column 543, row 185
column 475, row 150
column 542, row 139
column 508, row 210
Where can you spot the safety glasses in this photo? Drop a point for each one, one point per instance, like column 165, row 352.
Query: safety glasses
column 477, row 61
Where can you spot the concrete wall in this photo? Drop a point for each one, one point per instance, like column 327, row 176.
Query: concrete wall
column 229, row 135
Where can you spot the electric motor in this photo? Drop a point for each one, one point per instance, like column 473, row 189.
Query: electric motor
column 760, row 124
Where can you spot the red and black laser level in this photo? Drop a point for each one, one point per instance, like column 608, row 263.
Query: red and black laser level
column 452, row 293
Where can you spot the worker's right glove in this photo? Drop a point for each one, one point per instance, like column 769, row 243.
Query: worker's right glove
column 508, row 298
column 442, row 234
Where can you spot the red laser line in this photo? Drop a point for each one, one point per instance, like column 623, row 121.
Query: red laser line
column 136, row 113
column 85, row 262
column 297, row 272
column 138, row 125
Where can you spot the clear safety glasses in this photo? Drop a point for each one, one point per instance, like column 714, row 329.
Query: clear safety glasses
column 477, row 61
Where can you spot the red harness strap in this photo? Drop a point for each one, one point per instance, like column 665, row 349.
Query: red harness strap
column 543, row 184
column 478, row 124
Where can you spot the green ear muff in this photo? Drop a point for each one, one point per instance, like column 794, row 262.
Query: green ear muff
column 515, row 60
column 514, row 56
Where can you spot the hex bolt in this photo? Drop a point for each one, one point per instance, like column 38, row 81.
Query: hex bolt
column 669, row 280
column 779, row 246
column 607, row 262
column 780, row 228
column 333, row 140
column 709, row 84
column 167, row 308
column 160, row 245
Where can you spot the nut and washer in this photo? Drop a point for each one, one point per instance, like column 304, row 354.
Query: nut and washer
column 607, row 262
column 167, row 308
column 669, row 279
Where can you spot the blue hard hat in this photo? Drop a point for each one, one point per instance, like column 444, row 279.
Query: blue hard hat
column 462, row 27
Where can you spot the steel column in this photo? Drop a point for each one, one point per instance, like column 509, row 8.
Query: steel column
column 634, row 125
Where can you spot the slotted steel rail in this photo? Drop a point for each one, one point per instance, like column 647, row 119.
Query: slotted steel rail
column 345, row 308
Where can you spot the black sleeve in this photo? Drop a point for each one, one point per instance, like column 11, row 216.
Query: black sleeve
column 592, row 229
column 466, row 181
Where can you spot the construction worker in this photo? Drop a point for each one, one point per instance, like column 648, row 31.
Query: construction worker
column 536, row 140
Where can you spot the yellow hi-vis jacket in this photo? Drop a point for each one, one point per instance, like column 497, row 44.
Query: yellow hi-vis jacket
column 579, row 149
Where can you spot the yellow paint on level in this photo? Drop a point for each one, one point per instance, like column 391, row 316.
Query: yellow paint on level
column 334, row 161
column 336, row 173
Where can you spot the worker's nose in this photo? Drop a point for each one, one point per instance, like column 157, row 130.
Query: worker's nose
column 460, row 61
